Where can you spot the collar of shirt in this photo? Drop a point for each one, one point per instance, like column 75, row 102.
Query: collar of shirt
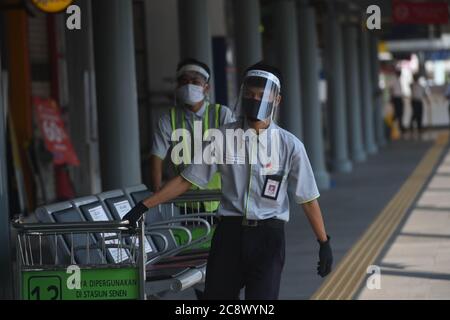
column 199, row 114
column 264, row 135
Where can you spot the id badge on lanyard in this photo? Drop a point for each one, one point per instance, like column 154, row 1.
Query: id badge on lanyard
column 272, row 186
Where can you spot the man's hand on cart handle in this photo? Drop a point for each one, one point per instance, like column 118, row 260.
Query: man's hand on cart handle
column 135, row 214
column 171, row 190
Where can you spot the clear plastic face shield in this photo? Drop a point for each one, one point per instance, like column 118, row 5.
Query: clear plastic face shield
column 259, row 96
column 192, row 85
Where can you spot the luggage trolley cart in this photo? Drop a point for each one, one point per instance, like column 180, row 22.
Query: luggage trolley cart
column 179, row 208
column 81, row 261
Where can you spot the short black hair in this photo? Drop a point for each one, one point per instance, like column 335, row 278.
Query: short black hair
column 193, row 61
column 266, row 67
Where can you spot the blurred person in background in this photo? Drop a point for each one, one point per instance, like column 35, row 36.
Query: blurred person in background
column 396, row 92
column 447, row 96
column 418, row 95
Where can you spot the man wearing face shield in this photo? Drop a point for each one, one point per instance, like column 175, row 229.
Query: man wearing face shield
column 191, row 96
column 248, row 247
column 260, row 94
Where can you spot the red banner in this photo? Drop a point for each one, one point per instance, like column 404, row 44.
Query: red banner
column 53, row 132
column 419, row 12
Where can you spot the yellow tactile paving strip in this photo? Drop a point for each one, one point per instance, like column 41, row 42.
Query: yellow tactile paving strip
column 348, row 275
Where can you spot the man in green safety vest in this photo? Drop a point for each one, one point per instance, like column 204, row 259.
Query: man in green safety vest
column 192, row 105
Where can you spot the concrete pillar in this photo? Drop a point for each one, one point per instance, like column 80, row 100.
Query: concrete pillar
column 116, row 93
column 336, row 91
column 6, row 275
column 286, row 27
column 353, row 94
column 195, row 36
column 312, row 114
column 367, row 93
column 82, row 103
column 378, row 98
column 247, row 34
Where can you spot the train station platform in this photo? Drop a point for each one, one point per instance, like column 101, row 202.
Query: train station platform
column 86, row 86
column 393, row 217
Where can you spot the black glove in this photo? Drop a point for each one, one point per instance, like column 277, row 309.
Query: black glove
column 135, row 214
column 325, row 258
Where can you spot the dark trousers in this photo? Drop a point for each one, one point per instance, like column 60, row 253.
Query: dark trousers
column 242, row 256
column 398, row 112
column 417, row 114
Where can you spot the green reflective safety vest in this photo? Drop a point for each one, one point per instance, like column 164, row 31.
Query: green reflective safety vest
column 177, row 117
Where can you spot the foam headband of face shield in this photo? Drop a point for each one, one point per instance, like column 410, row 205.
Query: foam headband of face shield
column 264, row 74
column 195, row 68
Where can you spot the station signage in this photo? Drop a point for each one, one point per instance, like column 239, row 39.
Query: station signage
column 424, row 12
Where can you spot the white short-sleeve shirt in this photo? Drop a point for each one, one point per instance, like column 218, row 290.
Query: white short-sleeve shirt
column 260, row 190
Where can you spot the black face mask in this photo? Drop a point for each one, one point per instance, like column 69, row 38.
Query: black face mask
column 251, row 108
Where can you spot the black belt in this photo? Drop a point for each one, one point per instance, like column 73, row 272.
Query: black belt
column 272, row 222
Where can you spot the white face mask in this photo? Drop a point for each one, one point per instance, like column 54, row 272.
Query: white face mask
column 190, row 94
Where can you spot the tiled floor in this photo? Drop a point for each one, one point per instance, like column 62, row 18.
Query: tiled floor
column 416, row 264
